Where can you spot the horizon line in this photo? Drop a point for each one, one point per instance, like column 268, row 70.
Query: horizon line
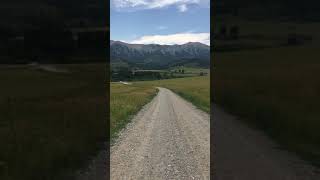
column 159, row 44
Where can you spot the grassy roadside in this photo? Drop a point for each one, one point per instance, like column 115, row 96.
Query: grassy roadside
column 193, row 89
column 50, row 122
column 276, row 91
column 126, row 101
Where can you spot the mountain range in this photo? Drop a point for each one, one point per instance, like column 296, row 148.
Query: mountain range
column 157, row 56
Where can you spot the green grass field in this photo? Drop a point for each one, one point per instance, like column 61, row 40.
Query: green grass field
column 127, row 100
column 276, row 90
column 193, row 89
column 50, row 123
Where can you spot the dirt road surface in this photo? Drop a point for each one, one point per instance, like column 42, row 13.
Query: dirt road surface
column 168, row 139
column 242, row 153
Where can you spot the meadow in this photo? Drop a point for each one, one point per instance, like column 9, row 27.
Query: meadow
column 193, row 89
column 274, row 89
column 127, row 100
column 50, row 123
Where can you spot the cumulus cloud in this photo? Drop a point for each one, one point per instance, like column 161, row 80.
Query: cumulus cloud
column 182, row 8
column 156, row 4
column 171, row 39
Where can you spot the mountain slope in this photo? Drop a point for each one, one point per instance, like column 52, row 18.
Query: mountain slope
column 159, row 56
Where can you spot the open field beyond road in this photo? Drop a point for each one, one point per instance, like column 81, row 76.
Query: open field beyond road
column 193, row 89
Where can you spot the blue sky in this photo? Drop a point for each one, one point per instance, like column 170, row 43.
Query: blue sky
column 160, row 21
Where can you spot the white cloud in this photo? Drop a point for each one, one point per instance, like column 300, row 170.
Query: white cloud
column 170, row 39
column 128, row 3
column 156, row 4
column 182, row 8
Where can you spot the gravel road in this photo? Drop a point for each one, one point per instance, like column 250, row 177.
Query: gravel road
column 168, row 139
column 242, row 153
